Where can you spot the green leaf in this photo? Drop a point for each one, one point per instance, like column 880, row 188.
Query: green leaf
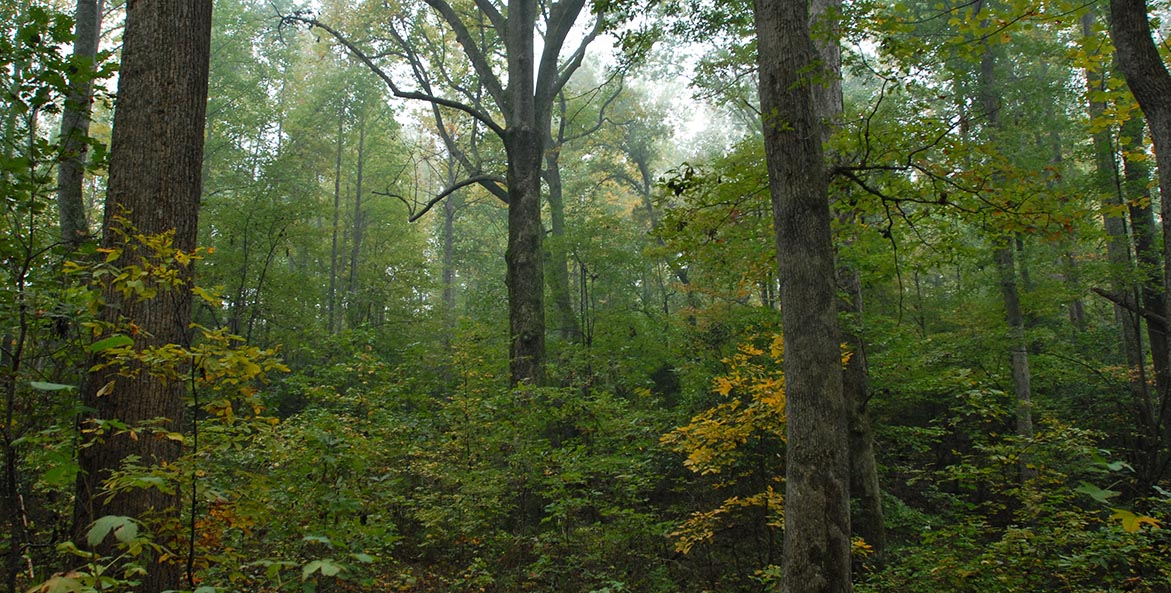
column 363, row 558
column 1096, row 493
column 114, row 341
column 61, row 475
column 325, row 566
column 124, row 529
column 42, row 386
column 320, row 539
column 309, row 569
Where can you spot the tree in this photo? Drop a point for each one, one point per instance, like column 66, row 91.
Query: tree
column 75, row 123
column 817, row 510
column 1146, row 74
column 154, row 188
column 520, row 94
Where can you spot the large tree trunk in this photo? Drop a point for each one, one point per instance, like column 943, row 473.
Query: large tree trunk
column 75, row 124
column 1150, row 83
column 155, row 159
column 524, row 143
column 526, row 290
column 817, row 509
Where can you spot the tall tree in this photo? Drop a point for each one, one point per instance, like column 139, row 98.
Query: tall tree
column 75, row 123
column 1146, row 74
column 155, row 182
column 520, row 93
column 817, row 506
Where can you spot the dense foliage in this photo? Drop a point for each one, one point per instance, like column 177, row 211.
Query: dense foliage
column 350, row 423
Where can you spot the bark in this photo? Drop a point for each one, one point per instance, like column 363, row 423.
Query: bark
column 817, row 512
column 1142, row 224
column 75, row 124
column 1138, row 58
column 154, row 182
column 527, row 124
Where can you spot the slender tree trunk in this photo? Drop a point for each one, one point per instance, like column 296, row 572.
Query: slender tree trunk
column 1004, row 256
column 1114, row 220
column 1136, row 176
column 75, row 124
column 557, row 274
column 359, row 226
column 817, row 510
column 155, row 159
column 1150, row 83
column 331, row 298
column 868, row 522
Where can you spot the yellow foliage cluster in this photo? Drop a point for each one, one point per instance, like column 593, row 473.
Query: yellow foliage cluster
column 753, row 388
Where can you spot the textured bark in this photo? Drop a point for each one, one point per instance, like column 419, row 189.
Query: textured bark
column 75, row 124
column 817, row 512
column 526, row 291
column 528, row 120
column 1138, row 58
column 155, row 159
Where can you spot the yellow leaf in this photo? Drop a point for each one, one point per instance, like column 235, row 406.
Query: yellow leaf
column 1132, row 522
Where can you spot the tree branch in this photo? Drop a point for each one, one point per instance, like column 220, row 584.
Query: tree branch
column 394, row 88
column 415, row 213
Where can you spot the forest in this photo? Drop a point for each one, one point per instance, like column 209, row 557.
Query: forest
column 505, row 296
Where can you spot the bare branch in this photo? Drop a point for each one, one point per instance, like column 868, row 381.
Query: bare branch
column 479, row 62
column 394, row 88
column 415, row 212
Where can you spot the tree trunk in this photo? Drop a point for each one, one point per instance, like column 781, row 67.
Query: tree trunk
column 524, row 143
column 1136, row 175
column 1018, row 351
column 1150, row 83
column 359, row 227
column 558, row 268
column 817, row 510
column 526, row 291
column 1004, row 257
column 1114, row 220
column 868, row 522
column 154, row 182
column 331, row 297
column 75, row 124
